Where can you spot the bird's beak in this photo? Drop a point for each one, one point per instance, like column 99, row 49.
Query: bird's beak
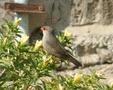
column 43, row 29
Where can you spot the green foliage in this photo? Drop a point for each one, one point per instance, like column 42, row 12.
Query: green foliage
column 77, row 82
column 25, row 67
column 20, row 65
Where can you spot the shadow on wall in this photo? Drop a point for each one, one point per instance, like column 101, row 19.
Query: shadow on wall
column 35, row 34
column 57, row 13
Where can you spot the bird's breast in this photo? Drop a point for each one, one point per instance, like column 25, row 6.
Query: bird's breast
column 52, row 46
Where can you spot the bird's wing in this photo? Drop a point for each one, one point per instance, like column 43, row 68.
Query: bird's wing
column 59, row 51
column 55, row 47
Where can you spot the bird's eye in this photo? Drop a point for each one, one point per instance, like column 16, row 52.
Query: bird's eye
column 44, row 28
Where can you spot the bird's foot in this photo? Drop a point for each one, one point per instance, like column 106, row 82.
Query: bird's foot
column 64, row 67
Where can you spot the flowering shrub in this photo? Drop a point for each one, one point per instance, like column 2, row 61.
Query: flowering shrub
column 22, row 67
column 76, row 82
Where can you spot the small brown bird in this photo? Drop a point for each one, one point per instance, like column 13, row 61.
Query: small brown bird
column 54, row 47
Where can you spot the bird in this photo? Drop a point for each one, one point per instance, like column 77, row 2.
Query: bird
column 53, row 46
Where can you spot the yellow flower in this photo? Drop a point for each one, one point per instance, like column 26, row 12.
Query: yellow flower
column 17, row 21
column 4, row 40
column 23, row 39
column 111, row 84
column 38, row 44
column 77, row 78
column 16, row 43
column 30, row 88
column 60, row 87
column 68, row 34
column 46, row 61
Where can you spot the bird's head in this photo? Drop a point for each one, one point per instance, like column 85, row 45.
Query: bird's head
column 46, row 29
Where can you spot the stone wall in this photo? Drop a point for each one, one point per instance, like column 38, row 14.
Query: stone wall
column 61, row 13
column 93, row 44
column 92, row 20
column 57, row 12
column 92, row 11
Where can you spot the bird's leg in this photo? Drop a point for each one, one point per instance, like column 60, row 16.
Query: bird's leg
column 65, row 65
column 61, row 65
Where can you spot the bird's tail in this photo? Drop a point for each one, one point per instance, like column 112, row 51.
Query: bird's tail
column 74, row 61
